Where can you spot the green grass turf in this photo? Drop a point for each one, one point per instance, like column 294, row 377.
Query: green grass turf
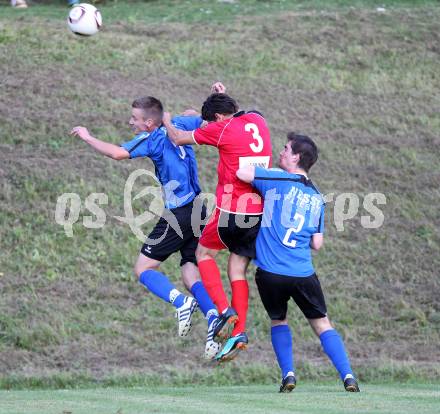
column 307, row 398
column 203, row 10
column 365, row 85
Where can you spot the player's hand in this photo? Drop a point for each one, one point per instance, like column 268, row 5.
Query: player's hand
column 218, row 87
column 80, row 131
column 190, row 112
column 166, row 118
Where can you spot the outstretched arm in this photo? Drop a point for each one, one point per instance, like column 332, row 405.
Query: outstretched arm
column 246, row 174
column 216, row 87
column 106, row 148
column 178, row 136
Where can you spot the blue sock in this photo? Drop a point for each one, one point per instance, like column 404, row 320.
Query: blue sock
column 159, row 284
column 333, row 346
column 282, row 345
column 205, row 303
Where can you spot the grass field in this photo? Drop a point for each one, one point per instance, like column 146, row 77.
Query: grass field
column 364, row 84
column 307, row 398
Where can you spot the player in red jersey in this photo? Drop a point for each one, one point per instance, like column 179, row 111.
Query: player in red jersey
column 242, row 138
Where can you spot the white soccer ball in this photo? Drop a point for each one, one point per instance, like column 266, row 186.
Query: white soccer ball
column 84, row 19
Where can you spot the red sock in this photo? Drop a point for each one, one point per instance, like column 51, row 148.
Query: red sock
column 213, row 283
column 240, row 299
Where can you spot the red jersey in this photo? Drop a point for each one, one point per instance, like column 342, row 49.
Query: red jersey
column 241, row 140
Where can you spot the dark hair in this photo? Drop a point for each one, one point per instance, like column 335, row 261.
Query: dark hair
column 218, row 103
column 151, row 107
column 306, row 148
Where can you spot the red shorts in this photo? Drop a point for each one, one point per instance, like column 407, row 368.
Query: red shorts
column 210, row 237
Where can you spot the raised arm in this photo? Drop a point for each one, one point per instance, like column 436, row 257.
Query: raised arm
column 178, row 136
column 246, row 174
column 218, row 87
column 106, row 148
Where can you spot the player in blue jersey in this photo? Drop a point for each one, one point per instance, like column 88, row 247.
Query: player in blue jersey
column 176, row 169
column 293, row 225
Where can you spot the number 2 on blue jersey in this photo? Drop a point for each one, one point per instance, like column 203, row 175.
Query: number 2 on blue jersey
column 298, row 220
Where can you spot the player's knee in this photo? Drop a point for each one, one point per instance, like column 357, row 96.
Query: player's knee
column 202, row 253
column 139, row 269
column 199, row 253
column 237, row 266
column 233, row 277
column 320, row 325
column 190, row 274
column 325, row 325
column 188, row 283
column 278, row 322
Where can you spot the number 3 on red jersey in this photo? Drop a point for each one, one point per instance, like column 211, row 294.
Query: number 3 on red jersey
column 258, row 146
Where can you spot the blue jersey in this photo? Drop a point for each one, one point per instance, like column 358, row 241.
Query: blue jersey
column 175, row 166
column 293, row 212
